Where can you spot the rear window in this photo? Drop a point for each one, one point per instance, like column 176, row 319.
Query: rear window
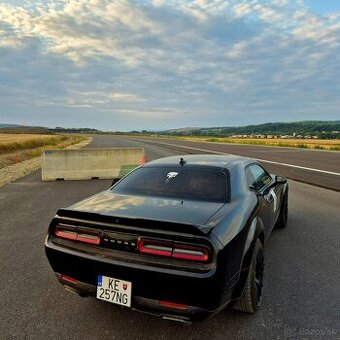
column 182, row 183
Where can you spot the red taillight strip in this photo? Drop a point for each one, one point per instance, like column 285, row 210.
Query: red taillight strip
column 191, row 253
column 173, row 305
column 88, row 238
column 69, row 279
column 81, row 237
column 154, row 247
column 174, row 250
column 70, row 235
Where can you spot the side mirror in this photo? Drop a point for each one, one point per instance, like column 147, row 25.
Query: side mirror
column 280, row 179
column 253, row 188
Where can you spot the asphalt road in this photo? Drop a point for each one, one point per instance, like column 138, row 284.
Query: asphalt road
column 302, row 275
column 321, row 168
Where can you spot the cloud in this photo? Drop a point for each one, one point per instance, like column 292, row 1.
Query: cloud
column 117, row 96
column 210, row 62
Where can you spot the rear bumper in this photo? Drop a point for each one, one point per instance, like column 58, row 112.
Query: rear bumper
column 203, row 296
column 142, row 304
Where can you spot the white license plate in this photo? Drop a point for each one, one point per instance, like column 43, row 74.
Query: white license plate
column 114, row 290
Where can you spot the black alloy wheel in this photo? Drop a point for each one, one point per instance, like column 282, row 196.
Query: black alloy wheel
column 259, row 277
column 251, row 299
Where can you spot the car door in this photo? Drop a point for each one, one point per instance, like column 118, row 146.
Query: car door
column 268, row 197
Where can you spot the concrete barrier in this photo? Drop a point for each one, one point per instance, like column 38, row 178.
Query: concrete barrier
column 90, row 164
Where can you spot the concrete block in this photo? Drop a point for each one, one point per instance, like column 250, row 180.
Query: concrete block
column 89, row 164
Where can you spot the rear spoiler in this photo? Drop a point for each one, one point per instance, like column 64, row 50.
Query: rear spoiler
column 129, row 224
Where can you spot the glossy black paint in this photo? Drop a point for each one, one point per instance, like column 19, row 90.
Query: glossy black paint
column 230, row 230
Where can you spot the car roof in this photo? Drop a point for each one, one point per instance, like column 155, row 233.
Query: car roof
column 220, row 161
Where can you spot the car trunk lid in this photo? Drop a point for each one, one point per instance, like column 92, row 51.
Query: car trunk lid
column 143, row 210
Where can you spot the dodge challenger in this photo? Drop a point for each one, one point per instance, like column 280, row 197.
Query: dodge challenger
column 180, row 237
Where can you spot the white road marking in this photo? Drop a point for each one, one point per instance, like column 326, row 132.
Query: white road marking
column 259, row 159
column 300, row 167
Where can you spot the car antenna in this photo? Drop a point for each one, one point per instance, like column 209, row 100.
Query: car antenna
column 182, row 161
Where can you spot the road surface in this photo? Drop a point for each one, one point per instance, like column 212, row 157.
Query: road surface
column 321, row 168
column 302, row 275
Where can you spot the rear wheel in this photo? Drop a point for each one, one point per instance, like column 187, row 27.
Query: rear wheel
column 251, row 299
column 282, row 220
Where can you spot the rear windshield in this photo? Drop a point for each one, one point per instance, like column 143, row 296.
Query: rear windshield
column 182, row 183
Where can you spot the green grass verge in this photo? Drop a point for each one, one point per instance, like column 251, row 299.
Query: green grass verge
column 125, row 169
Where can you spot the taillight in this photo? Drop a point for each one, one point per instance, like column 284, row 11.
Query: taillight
column 174, row 250
column 155, row 247
column 88, row 238
column 191, row 253
column 69, row 279
column 77, row 236
column 70, row 235
column 173, row 305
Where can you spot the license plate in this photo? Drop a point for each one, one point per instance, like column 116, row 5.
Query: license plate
column 114, row 290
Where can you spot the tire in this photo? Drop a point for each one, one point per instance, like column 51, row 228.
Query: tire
column 251, row 299
column 283, row 217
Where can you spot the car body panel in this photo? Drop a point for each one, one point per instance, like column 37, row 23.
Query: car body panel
column 228, row 229
column 156, row 208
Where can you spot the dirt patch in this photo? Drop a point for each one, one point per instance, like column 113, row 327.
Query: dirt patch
column 13, row 172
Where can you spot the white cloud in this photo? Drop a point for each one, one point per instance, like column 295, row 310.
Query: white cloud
column 118, row 96
column 197, row 57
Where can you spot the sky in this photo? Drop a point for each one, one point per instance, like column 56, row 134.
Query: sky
column 133, row 65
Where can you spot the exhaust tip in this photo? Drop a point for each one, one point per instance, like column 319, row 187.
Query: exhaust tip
column 184, row 321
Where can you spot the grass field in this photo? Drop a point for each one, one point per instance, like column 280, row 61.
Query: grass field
column 13, row 137
column 13, row 142
column 318, row 144
column 15, row 148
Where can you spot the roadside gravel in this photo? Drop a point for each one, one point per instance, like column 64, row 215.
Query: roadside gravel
column 13, row 172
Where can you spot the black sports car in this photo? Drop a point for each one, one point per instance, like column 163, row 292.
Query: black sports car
column 181, row 238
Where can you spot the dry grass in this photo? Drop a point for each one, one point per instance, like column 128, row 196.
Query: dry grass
column 13, row 142
column 15, row 148
column 318, row 144
column 14, row 137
